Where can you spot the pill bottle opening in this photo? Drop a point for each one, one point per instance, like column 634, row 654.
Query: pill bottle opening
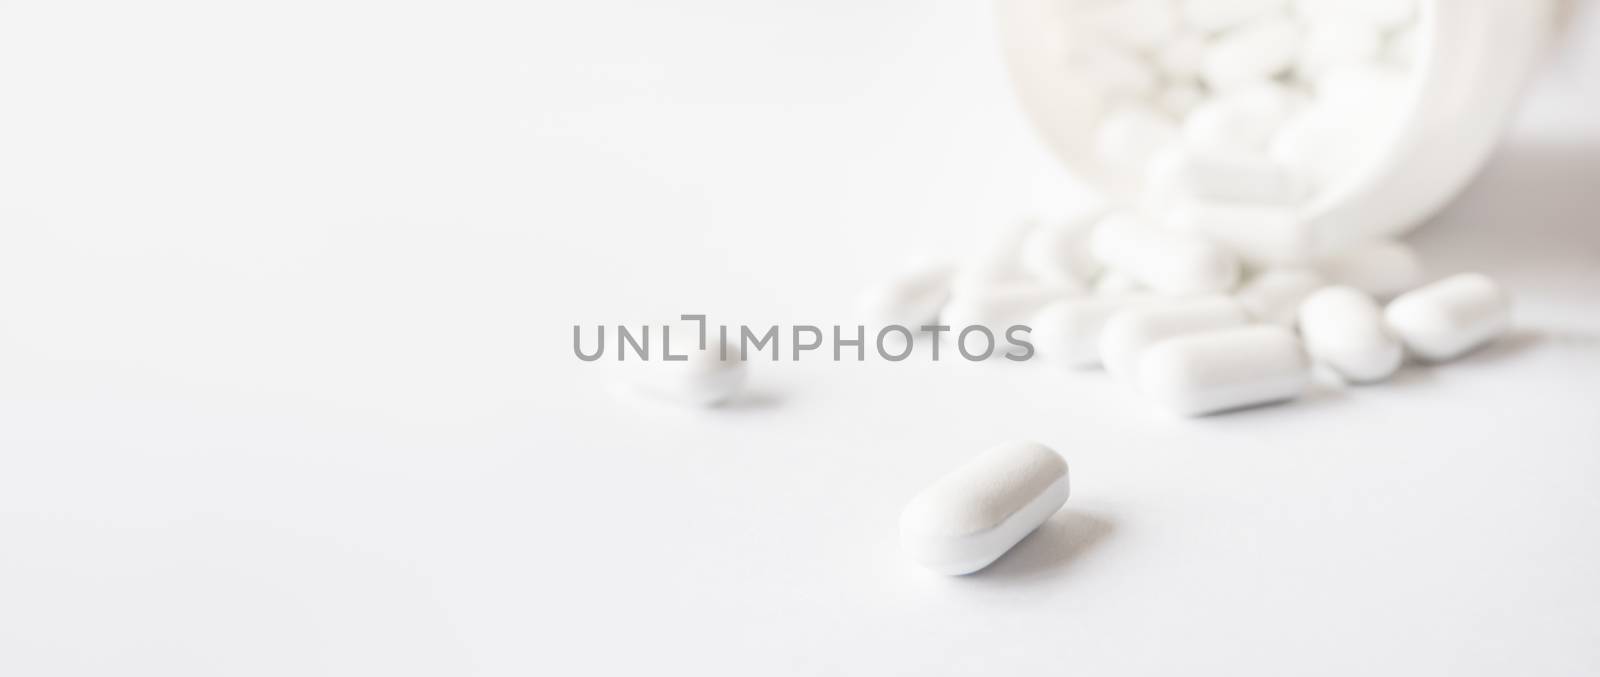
column 1393, row 125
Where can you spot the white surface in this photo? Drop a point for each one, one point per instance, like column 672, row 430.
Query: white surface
column 286, row 381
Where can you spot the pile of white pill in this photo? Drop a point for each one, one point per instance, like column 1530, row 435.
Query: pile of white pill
column 1186, row 324
column 1207, row 289
column 1204, row 288
column 1208, row 104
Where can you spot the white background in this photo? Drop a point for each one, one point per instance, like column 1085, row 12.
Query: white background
column 286, row 381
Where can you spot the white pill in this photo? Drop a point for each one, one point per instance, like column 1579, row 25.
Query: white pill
column 1381, row 268
column 1179, row 174
column 1273, row 296
column 1068, row 332
column 1251, row 53
column 1217, row 371
column 705, row 377
column 1343, row 328
column 1451, row 317
column 1161, row 260
column 1381, row 14
column 1058, row 253
column 1241, row 120
column 1133, row 134
column 1261, row 235
column 1216, row 15
column 969, row 518
column 911, row 297
column 996, row 258
column 1332, row 44
column 1000, row 307
column 1137, row 24
column 1129, row 333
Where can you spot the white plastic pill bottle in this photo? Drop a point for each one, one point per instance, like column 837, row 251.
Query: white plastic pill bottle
column 1408, row 149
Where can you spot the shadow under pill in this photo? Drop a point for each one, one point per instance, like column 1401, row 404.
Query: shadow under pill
column 1063, row 539
column 752, row 400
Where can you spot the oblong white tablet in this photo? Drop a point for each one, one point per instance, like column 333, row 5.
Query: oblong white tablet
column 970, row 517
column 1216, row 371
column 1383, row 268
column 1344, row 330
column 1451, row 317
column 1129, row 333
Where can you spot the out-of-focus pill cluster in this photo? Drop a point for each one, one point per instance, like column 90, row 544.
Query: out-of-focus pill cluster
column 1264, row 102
column 1208, row 289
column 1188, row 325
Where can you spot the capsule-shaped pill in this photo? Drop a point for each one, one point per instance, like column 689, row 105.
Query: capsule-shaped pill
column 1161, row 260
column 969, row 518
column 1343, row 329
column 1451, row 317
column 1217, row 371
column 1130, row 333
column 1383, row 268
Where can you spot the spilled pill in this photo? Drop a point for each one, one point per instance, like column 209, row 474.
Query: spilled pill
column 970, row 517
column 1129, row 333
column 1449, row 318
column 1216, row 371
column 1382, row 268
column 1343, row 329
